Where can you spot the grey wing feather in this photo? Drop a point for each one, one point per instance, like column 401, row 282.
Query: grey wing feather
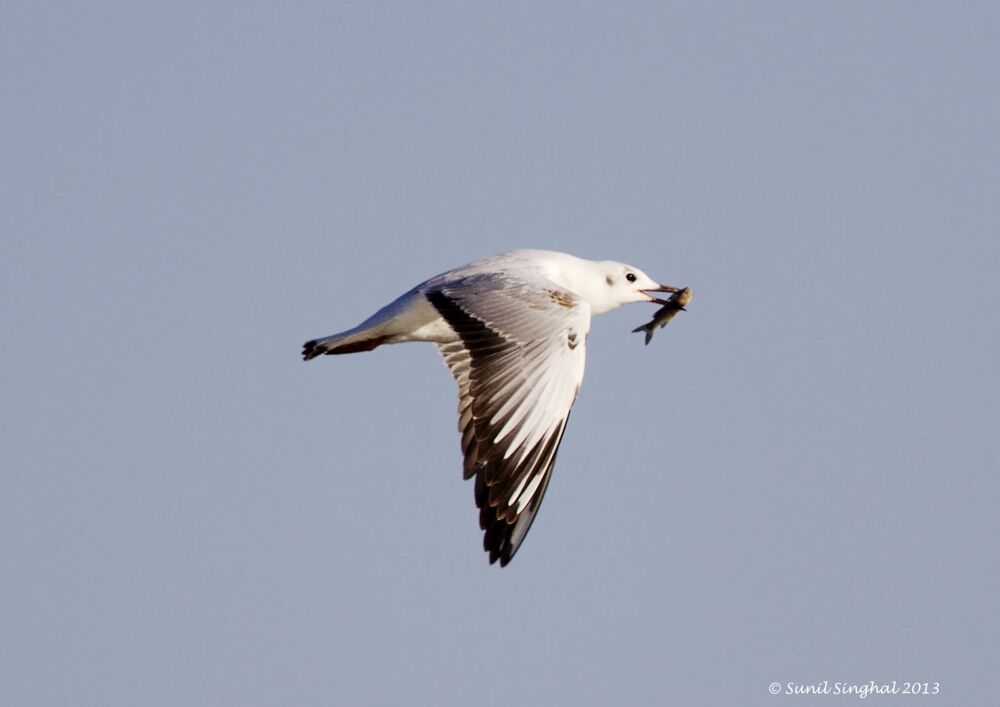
column 517, row 380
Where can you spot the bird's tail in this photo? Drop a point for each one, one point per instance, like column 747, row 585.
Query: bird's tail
column 389, row 325
column 345, row 342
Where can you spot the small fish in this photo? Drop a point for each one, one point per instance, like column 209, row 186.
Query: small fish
column 677, row 302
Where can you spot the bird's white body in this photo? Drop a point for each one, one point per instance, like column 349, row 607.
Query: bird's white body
column 410, row 317
column 512, row 328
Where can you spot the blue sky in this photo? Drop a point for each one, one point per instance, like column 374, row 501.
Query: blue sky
column 794, row 482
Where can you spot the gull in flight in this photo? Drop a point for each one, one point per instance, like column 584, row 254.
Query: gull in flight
column 513, row 331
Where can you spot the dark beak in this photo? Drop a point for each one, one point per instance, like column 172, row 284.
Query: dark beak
column 661, row 288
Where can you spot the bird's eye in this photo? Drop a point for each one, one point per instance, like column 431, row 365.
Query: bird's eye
column 630, row 277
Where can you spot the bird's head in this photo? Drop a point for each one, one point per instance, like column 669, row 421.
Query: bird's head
column 611, row 284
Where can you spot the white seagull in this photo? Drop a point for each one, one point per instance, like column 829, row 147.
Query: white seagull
column 513, row 330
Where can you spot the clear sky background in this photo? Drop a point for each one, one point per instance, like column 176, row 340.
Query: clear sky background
column 796, row 481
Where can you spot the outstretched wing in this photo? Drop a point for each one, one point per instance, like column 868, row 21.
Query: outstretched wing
column 519, row 363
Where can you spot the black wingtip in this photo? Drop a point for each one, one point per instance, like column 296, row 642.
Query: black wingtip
column 309, row 350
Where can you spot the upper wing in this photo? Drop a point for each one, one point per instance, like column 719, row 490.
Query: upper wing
column 519, row 363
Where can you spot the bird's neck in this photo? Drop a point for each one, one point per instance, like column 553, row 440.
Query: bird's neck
column 583, row 278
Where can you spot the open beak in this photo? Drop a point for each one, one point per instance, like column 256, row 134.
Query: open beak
column 661, row 288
